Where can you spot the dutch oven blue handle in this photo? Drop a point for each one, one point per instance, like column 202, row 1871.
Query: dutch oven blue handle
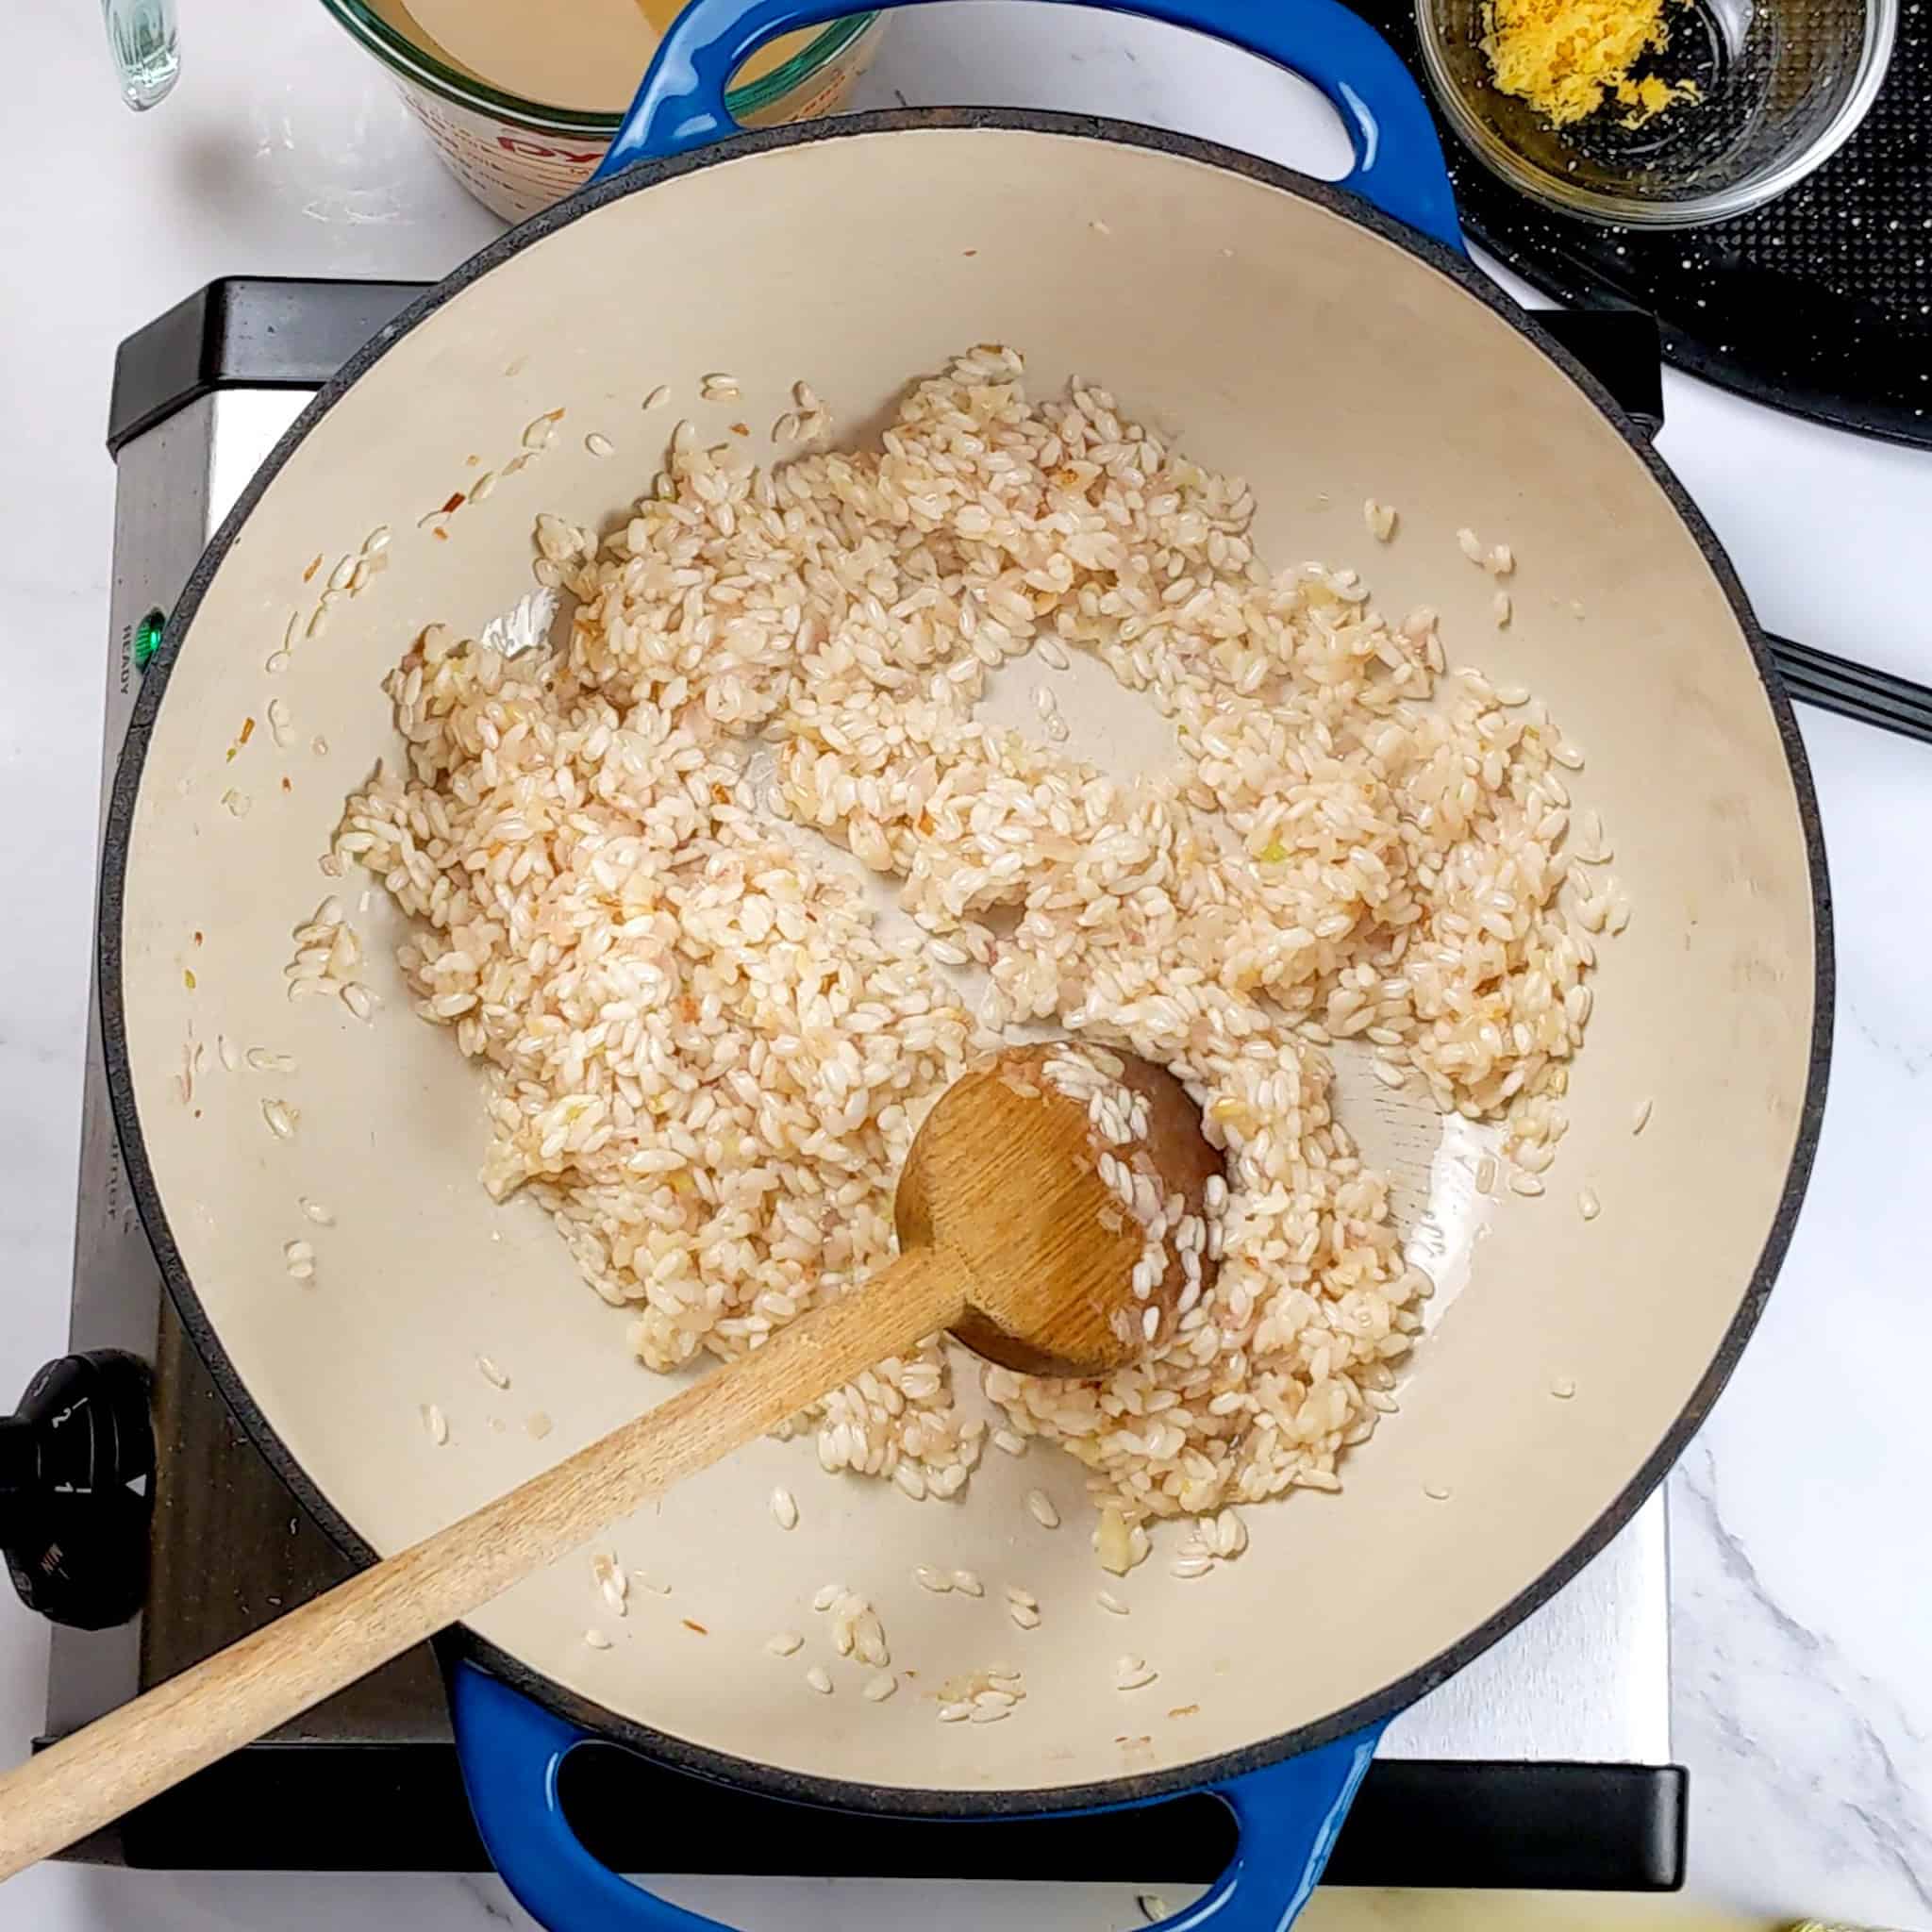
column 511, row 1749
column 1398, row 161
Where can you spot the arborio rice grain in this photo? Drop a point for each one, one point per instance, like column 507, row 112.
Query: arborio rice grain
column 708, row 1054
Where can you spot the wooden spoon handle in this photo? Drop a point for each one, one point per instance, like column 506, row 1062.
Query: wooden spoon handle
column 90, row 1778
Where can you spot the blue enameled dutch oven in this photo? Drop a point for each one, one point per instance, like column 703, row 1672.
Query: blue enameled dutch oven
column 1330, row 344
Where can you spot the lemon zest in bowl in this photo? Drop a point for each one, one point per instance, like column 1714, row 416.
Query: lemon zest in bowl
column 1564, row 57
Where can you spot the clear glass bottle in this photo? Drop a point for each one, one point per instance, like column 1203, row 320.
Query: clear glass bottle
column 146, row 41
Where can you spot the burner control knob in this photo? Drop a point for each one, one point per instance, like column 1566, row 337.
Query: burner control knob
column 76, row 1470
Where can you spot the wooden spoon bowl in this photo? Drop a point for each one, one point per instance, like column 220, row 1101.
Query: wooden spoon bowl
column 1005, row 1181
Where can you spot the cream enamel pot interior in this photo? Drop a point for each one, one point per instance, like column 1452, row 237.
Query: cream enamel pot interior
column 1282, row 329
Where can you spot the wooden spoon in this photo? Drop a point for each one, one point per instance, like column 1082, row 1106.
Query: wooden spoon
column 1008, row 1235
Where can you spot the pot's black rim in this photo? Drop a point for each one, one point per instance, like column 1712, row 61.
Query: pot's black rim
column 884, row 1799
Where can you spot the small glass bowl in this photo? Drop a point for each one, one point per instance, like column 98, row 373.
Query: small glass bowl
column 1783, row 84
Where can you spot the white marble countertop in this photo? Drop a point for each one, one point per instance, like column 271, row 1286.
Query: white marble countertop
column 1802, row 1559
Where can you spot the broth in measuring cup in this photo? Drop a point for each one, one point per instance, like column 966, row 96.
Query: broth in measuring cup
column 585, row 55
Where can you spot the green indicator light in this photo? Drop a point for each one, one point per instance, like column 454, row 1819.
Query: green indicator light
column 147, row 638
